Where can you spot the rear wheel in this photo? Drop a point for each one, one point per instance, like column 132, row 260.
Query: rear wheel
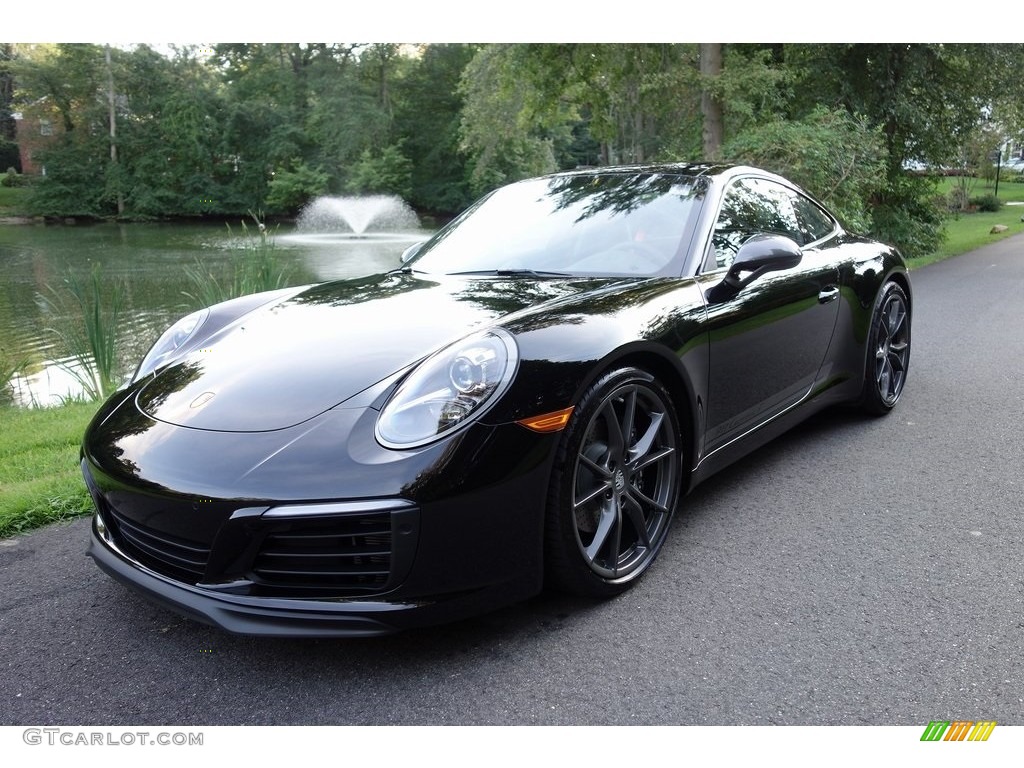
column 615, row 486
column 888, row 351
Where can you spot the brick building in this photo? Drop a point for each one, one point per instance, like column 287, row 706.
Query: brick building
column 37, row 127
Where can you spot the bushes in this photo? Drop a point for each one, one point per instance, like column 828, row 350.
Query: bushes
column 292, row 189
column 842, row 161
column 13, row 179
column 910, row 214
column 837, row 158
column 73, row 184
column 915, row 227
column 958, row 198
column 387, row 172
column 988, row 203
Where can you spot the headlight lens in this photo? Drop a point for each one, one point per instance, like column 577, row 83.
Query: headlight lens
column 448, row 390
column 170, row 342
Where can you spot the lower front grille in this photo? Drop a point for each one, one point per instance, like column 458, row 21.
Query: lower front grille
column 314, row 550
column 350, row 552
column 172, row 556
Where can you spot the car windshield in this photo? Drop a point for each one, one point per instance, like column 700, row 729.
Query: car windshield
column 615, row 224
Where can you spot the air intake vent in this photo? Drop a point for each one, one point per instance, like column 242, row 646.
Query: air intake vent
column 174, row 557
column 351, row 552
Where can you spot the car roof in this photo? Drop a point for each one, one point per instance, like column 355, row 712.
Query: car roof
column 681, row 169
column 714, row 172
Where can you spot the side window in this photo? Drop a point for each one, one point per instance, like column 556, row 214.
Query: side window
column 815, row 224
column 750, row 207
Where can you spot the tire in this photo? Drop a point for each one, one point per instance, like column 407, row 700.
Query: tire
column 888, row 358
column 615, row 485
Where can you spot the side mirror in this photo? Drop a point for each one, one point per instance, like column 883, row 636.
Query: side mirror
column 411, row 251
column 760, row 254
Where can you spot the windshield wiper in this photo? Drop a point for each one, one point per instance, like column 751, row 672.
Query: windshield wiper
column 514, row 273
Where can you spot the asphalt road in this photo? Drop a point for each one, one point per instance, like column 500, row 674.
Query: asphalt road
column 857, row 571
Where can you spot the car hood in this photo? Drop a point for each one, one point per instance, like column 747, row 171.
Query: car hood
column 288, row 361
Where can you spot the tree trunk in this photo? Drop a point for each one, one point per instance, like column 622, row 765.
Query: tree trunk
column 710, row 105
column 113, row 128
column 8, row 128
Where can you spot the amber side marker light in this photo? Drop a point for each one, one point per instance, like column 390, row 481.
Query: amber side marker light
column 548, row 422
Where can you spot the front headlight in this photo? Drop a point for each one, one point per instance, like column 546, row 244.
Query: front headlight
column 170, row 342
column 448, row 390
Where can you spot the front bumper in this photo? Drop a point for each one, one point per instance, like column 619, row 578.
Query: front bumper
column 318, row 537
column 286, row 617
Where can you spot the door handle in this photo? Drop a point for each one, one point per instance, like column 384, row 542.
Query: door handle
column 831, row 293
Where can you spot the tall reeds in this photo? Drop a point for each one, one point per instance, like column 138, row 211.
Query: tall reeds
column 256, row 267
column 88, row 330
column 9, row 368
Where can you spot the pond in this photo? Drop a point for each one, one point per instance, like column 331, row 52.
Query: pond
column 151, row 261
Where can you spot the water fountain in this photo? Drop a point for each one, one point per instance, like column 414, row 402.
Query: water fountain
column 362, row 216
column 365, row 234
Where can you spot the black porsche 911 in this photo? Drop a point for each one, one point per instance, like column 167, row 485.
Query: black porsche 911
column 521, row 402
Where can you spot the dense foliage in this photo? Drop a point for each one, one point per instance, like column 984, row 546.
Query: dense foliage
column 238, row 127
column 838, row 156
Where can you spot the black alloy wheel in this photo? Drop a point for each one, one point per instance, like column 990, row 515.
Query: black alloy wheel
column 889, row 351
column 616, row 485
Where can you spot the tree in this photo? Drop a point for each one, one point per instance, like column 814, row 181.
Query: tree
column 710, row 101
column 427, row 112
column 270, row 124
column 927, row 100
column 388, row 171
column 64, row 80
column 69, row 75
column 9, row 157
column 291, row 189
column 503, row 139
column 841, row 158
column 537, row 107
column 637, row 102
column 112, row 116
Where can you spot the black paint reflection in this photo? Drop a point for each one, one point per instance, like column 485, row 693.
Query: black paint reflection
column 120, row 420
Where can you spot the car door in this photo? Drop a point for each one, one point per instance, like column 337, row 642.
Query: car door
column 767, row 340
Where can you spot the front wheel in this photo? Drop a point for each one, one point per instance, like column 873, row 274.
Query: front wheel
column 888, row 351
column 615, row 486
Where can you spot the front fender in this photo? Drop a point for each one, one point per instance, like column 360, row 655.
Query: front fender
column 563, row 351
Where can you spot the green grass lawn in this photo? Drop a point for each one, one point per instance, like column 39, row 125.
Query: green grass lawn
column 973, row 230
column 1009, row 190
column 40, row 481
column 12, row 201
